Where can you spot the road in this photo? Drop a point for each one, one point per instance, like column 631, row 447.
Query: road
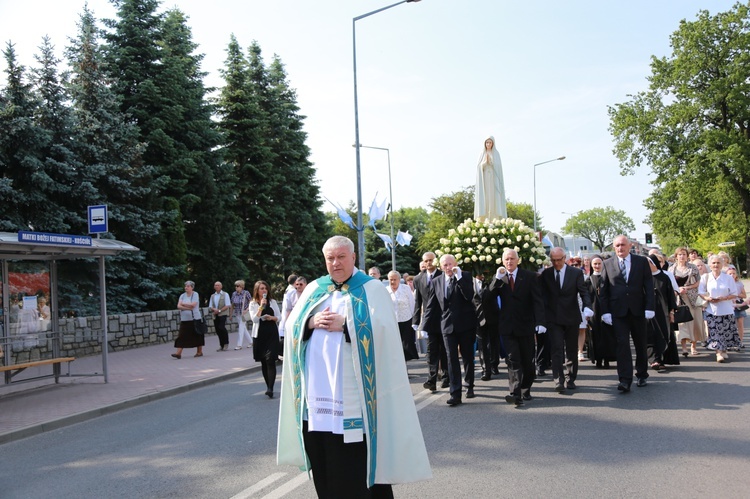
column 684, row 435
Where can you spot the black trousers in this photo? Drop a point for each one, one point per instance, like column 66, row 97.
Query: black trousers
column 437, row 359
column 463, row 341
column 340, row 470
column 490, row 348
column 220, row 324
column 626, row 327
column 543, row 357
column 563, row 340
column 520, row 362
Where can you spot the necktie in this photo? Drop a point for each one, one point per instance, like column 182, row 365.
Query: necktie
column 511, row 281
column 451, row 287
column 429, row 278
column 557, row 278
column 623, row 269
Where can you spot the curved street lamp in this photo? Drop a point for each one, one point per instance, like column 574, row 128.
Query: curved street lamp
column 542, row 163
column 360, row 231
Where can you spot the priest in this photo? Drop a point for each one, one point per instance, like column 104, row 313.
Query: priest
column 347, row 413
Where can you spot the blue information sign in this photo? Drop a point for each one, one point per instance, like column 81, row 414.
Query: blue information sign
column 50, row 238
column 98, row 219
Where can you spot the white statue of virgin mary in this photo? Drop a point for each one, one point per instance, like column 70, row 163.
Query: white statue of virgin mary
column 489, row 194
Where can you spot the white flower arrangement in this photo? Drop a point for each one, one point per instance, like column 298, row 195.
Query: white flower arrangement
column 485, row 257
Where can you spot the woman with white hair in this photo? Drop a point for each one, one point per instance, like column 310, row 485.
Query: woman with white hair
column 403, row 303
column 719, row 290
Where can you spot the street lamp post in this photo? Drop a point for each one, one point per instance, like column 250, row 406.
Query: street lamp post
column 542, row 163
column 390, row 193
column 360, row 231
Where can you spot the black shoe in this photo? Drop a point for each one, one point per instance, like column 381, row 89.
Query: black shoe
column 540, row 372
column 269, row 394
column 445, row 384
column 470, row 393
column 430, row 386
column 571, row 385
column 641, row 382
column 513, row 400
column 599, row 364
column 486, row 377
column 495, row 370
column 624, row 387
column 560, row 388
column 453, row 401
column 527, row 396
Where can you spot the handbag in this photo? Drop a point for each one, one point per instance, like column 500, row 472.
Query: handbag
column 682, row 314
column 200, row 325
column 700, row 302
column 743, row 306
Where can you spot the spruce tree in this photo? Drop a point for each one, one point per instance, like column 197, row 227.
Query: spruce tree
column 23, row 201
column 111, row 171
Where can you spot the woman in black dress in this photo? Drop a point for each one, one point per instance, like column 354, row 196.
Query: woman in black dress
column 265, row 315
column 602, row 347
column 188, row 337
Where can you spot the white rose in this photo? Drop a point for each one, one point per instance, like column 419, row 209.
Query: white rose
column 467, row 240
column 484, row 239
column 525, row 245
column 518, row 238
column 494, row 251
column 474, row 258
column 499, row 261
column 451, row 232
column 526, row 237
column 493, row 241
column 456, row 240
column 473, row 232
column 458, row 256
column 467, row 260
column 532, row 259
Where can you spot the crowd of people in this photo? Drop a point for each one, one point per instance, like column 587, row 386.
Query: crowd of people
column 259, row 309
column 345, row 397
column 576, row 309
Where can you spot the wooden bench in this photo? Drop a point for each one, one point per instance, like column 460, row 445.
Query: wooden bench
column 14, row 369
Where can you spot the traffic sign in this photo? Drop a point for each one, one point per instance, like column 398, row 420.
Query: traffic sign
column 98, row 219
column 726, row 244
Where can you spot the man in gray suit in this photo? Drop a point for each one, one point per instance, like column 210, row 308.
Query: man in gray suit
column 561, row 287
column 627, row 299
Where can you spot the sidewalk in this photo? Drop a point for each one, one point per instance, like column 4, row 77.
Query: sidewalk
column 136, row 376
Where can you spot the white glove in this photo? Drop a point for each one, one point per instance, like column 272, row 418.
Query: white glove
column 541, row 329
column 457, row 272
column 501, row 271
column 649, row 314
column 607, row 319
column 588, row 313
column 415, row 327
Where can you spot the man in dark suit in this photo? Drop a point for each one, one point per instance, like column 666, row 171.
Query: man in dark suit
column 521, row 314
column 561, row 286
column 627, row 300
column 451, row 304
column 436, row 356
column 488, row 333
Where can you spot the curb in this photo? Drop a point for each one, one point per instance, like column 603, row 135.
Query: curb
column 80, row 417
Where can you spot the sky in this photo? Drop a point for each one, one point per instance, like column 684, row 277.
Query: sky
column 435, row 78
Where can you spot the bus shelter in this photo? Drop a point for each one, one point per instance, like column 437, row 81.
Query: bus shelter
column 30, row 332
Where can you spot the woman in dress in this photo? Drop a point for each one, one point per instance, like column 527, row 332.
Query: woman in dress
column 718, row 289
column 489, row 193
column 687, row 276
column 265, row 315
column 188, row 337
column 403, row 303
column 240, row 301
column 659, row 328
column 603, row 342
column 740, row 304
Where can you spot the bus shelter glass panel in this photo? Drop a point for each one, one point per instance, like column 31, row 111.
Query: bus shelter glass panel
column 30, row 314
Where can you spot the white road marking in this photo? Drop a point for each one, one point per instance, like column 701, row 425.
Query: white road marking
column 248, row 492
column 288, row 486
